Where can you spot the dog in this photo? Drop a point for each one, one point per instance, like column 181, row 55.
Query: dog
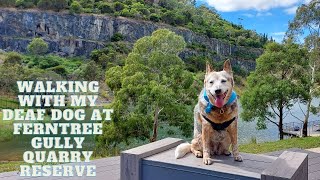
column 215, row 118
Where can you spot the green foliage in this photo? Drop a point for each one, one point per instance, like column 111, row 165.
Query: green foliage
column 155, row 17
column 117, row 37
column 113, row 55
column 38, row 46
column 89, row 72
column 275, row 84
column 152, row 85
column 24, row 3
column 106, row 8
column 13, row 58
column 56, row 5
column 61, row 70
column 7, row 3
column 75, row 7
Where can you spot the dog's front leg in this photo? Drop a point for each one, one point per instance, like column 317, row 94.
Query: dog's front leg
column 206, row 142
column 233, row 132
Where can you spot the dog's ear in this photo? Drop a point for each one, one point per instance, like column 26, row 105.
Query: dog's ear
column 209, row 68
column 227, row 66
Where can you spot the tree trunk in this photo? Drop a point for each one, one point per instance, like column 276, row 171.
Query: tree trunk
column 281, row 121
column 306, row 119
column 155, row 124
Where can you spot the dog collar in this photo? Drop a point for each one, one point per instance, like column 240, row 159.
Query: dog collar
column 219, row 126
column 210, row 106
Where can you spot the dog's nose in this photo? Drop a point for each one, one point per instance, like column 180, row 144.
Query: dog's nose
column 218, row 91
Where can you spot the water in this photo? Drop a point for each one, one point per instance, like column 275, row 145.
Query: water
column 247, row 130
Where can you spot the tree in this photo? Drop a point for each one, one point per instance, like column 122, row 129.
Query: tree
column 38, row 47
column 153, row 86
column 275, row 85
column 307, row 22
column 13, row 58
column 56, row 5
column 75, row 7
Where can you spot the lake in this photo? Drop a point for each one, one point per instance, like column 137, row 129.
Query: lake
column 247, row 130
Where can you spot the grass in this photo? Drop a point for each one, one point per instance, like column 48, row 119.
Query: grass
column 303, row 143
column 8, row 103
column 6, row 129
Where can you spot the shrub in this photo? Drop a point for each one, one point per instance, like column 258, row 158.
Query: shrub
column 106, row 8
column 155, row 17
column 117, row 37
column 75, row 7
column 47, row 62
column 24, row 3
column 7, row 3
column 118, row 6
column 38, row 47
column 59, row 70
column 44, row 4
column 13, row 58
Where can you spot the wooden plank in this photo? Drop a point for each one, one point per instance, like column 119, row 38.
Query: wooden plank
column 130, row 159
column 289, row 165
column 252, row 165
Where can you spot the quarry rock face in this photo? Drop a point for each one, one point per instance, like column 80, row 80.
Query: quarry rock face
column 78, row 35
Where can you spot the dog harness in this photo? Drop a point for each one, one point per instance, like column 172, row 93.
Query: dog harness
column 219, row 126
column 210, row 106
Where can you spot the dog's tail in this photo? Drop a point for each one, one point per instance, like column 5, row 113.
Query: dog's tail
column 182, row 150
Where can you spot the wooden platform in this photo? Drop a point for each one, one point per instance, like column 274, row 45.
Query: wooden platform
column 313, row 161
column 164, row 162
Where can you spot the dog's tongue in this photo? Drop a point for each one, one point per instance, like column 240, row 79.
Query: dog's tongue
column 219, row 101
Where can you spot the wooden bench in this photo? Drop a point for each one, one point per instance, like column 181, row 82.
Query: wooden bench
column 155, row 161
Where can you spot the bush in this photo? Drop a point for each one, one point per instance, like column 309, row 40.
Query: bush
column 118, row 6
column 59, row 70
column 38, row 47
column 117, row 37
column 13, row 58
column 7, row 3
column 75, row 7
column 24, row 3
column 155, row 17
column 169, row 17
column 48, row 62
column 106, row 8
column 44, row 4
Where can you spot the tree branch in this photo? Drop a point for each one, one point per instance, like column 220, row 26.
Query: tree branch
column 295, row 116
column 272, row 121
column 274, row 110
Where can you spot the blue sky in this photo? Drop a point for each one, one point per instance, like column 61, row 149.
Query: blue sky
column 264, row 16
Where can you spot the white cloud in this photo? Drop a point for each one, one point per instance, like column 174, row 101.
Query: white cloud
column 278, row 33
column 248, row 15
column 259, row 5
column 264, row 14
column 307, row 1
column 291, row 10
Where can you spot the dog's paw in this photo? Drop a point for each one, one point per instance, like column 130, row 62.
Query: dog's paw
column 238, row 158
column 227, row 153
column 207, row 161
column 198, row 154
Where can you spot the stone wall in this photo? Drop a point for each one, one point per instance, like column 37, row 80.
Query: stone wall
column 78, row 35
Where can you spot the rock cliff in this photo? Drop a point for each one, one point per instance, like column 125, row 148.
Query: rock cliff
column 78, row 35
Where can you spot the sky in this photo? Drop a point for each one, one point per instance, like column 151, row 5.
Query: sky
column 264, row 16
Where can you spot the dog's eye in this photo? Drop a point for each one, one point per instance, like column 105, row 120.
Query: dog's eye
column 223, row 80
column 211, row 82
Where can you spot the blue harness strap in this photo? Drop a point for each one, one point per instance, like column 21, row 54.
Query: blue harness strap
column 210, row 106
